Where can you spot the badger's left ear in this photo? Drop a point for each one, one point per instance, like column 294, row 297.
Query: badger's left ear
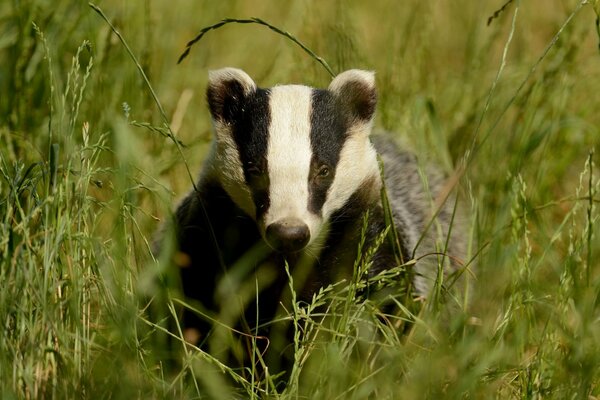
column 227, row 91
column 355, row 89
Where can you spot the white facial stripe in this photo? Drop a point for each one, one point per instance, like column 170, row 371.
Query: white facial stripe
column 289, row 154
column 357, row 163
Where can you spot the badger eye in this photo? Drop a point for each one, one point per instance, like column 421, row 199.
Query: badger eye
column 256, row 176
column 254, row 171
column 323, row 172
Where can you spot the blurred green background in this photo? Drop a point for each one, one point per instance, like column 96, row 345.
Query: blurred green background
column 517, row 95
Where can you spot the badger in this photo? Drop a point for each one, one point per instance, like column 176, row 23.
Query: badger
column 291, row 173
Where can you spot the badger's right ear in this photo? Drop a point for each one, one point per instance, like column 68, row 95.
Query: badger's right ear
column 226, row 92
column 355, row 89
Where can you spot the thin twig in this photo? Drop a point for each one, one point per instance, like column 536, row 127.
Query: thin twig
column 258, row 21
column 499, row 11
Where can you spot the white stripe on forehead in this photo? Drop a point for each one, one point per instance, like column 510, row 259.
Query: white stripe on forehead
column 289, row 153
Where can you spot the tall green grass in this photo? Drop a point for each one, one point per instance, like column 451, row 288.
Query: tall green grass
column 88, row 171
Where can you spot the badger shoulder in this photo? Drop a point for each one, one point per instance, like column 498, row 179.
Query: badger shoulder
column 425, row 210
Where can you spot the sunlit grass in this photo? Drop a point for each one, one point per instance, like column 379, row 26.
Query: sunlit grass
column 90, row 166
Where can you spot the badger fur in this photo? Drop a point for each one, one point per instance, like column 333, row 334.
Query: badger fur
column 291, row 173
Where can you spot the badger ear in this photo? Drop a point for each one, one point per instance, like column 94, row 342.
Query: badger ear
column 355, row 89
column 227, row 89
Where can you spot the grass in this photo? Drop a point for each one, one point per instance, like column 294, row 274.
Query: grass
column 89, row 168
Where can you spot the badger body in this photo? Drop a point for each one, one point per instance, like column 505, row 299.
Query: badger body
column 290, row 176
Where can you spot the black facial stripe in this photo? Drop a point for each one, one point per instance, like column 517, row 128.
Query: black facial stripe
column 261, row 201
column 250, row 128
column 364, row 197
column 367, row 197
column 327, row 136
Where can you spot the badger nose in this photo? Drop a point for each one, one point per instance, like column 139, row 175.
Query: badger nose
column 288, row 235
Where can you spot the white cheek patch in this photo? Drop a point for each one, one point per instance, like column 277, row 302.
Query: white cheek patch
column 357, row 163
column 229, row 171
column 289, row 154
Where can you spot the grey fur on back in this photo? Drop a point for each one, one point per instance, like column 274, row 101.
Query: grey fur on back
column 414, row 193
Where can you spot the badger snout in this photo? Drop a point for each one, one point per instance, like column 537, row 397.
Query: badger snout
column 288, row 235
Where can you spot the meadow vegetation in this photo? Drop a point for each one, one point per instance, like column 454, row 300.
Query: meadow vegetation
column 93, row 156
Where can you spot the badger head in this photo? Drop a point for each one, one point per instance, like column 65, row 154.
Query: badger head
column 290, row 156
